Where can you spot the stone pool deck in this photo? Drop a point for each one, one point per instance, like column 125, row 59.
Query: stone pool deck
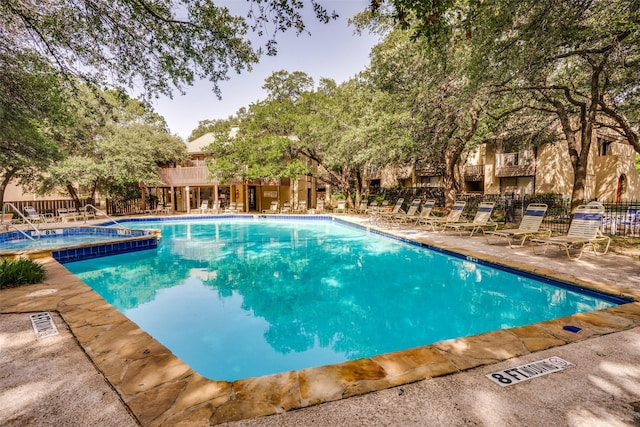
column 440, row 384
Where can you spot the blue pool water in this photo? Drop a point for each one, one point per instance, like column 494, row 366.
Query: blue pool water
column 245, row 298
column 62, row 237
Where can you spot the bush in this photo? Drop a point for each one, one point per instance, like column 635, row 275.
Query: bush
column 18, row 272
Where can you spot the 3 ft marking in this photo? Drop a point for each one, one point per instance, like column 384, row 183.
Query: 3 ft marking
column 531, row 370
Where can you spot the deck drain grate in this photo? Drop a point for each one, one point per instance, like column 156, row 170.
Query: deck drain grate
column 43, row 325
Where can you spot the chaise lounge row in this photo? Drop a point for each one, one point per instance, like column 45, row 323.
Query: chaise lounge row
column 584, row 231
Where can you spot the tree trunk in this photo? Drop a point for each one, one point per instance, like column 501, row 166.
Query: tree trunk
column 74, row 195
column 359, row 182
column 5, row 182
column 449, row 179
column 452, row 155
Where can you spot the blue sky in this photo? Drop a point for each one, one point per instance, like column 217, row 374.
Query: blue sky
column 332, row 51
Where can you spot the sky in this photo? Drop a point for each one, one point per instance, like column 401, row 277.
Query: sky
column 332, row 51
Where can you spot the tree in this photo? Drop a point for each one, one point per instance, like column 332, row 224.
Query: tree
column 33, row 115
column 445, row 99
column 122, row 150
column 348, row 129
column 264, row 146
column 159, row 44
column 576, row 60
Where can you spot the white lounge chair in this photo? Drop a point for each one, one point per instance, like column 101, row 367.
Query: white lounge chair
column 388, row 216
column 410, row 214
column 362, row 208
column 214, row 208
column 302, row 207
column 273, row 209
column 341, row 207
column 584, row 232
column 159, row 210
column 453, row 216
column 232, row 208
column 529, row 227
column 87, row 213
column 204, row 207
column 481, row 220
column 32, row 215
column 425, row 212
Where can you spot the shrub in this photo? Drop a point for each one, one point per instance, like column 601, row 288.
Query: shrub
column 18, row 272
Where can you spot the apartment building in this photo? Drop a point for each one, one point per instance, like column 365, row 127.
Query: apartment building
column 186, row 187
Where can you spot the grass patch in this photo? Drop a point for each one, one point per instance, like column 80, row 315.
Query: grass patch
column 18, row 272
column 629, row 246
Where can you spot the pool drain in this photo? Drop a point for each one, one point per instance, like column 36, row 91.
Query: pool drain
column 43, row 325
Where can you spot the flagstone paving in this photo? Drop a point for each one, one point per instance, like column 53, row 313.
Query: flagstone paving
column 160, row 389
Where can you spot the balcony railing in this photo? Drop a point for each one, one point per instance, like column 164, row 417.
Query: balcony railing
column 180, row 177
column 515, row 164
column 528, row 169
column 474, row 173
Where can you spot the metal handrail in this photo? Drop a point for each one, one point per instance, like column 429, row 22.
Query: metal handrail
column 102, row 212
column 25, row 219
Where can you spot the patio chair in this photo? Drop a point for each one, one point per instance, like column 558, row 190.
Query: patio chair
column 362, row 207
column 273, row 209
column 341, row 207
column 215, row 207
column 631, row 222
column 87, row 213
column 286, row 207
column 481, row 220
column 204, row 207
column 302, row 207
column 427, row 207
column 239, row 207
column 231, row 208
column 529, row 227
column 32, row 215
column 74, row 214
column 584, row 232
column 411, row 213
column 388, row 216
column 453, row 216
column 320, row 206
column 159, row 210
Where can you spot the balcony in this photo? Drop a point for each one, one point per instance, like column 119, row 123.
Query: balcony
column 183, row 176
column 511, row 165
column 474, row 173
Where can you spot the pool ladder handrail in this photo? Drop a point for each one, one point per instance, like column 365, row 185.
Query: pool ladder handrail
column 25, row 219
column 103, row 213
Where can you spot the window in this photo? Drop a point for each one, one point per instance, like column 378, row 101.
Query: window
column 604, row 147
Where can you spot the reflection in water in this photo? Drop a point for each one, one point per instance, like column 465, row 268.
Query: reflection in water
column 246, row 298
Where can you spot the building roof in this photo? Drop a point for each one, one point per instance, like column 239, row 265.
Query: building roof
column 197, row 145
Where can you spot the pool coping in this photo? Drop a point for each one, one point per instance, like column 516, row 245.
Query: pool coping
column 120, row 243
column 159, row 388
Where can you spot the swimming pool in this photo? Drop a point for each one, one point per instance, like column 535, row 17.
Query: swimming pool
column 245, row 298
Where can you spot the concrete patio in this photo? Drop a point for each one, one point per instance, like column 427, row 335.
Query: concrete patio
column 102, row 370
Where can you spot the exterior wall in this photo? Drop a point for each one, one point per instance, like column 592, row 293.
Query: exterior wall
column 608, row 170
column 14, row 193
column 491, row 182
column 553, row 169
column 555, row 175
